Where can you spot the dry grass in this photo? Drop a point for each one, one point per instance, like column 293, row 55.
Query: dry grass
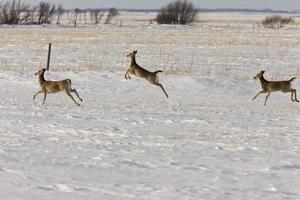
column 206, row 49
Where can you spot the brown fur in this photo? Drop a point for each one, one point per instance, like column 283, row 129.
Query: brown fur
column 48, row 87
column 138, row 71
column 273, row 86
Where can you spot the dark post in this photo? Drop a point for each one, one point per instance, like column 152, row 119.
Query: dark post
column 49, row 56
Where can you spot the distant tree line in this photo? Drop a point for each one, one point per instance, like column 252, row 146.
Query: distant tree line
column 17, row 12
column 94, row 16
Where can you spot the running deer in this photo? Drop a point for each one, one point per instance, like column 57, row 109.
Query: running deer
column 48, row 87
column 138, row 71
column 273, row 86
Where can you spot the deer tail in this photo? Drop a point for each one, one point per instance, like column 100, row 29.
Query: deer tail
column 292, row 78
column 69, row 80
column 157, row 71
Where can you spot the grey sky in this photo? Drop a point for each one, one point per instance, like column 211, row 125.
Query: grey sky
column 150, row 4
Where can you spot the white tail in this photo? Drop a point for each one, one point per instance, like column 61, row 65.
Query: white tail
column 137, row 70
column 273, row 86
column 48, row 87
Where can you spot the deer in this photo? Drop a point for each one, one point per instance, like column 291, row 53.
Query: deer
column 48, row 87
column 138, row 71
column 274, row 86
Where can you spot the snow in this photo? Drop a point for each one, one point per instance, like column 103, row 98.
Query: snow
column 127, row 141
column 209, row 140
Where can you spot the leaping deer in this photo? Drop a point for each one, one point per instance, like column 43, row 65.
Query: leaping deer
column 48, row 87
column 138, row 71
column 273, row 86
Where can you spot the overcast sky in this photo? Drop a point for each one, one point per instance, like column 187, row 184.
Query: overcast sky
column 152, row 4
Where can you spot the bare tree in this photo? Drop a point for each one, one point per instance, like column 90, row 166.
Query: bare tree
column 76, row 13
column 60, row 11
column 96, row 16
column 46, row 12
column 276, row 21
column 27, row 14
column 111, row 14
column 85, row 13
column 177, row 12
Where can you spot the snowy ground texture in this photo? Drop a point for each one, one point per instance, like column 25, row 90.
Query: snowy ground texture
column 127, row 141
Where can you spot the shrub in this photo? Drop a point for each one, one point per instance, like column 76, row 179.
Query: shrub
column 45, row 12
column 177, row 12
column 276, row 21
column 13, row 12
column 9, row 12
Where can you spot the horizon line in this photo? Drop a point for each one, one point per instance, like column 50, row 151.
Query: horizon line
column 199, row 9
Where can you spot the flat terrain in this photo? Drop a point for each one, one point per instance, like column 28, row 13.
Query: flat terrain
column 209, row 140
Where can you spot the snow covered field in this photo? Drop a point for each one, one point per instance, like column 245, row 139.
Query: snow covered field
column 209, row 140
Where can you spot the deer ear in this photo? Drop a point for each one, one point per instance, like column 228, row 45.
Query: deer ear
column 262, row 71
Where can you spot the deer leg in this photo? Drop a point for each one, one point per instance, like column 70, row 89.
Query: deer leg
column 127, row 75
column 36, row 94
column 295, row 94
column 74, row 90
column 261, row 92
column 45, row 96
column 160, row 85
column 267, row 98
column 292, row 92
column 69, row 94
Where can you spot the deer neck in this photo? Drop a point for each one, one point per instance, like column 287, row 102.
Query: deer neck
column 133, row 62
column 262, row 80
column 42, row 78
